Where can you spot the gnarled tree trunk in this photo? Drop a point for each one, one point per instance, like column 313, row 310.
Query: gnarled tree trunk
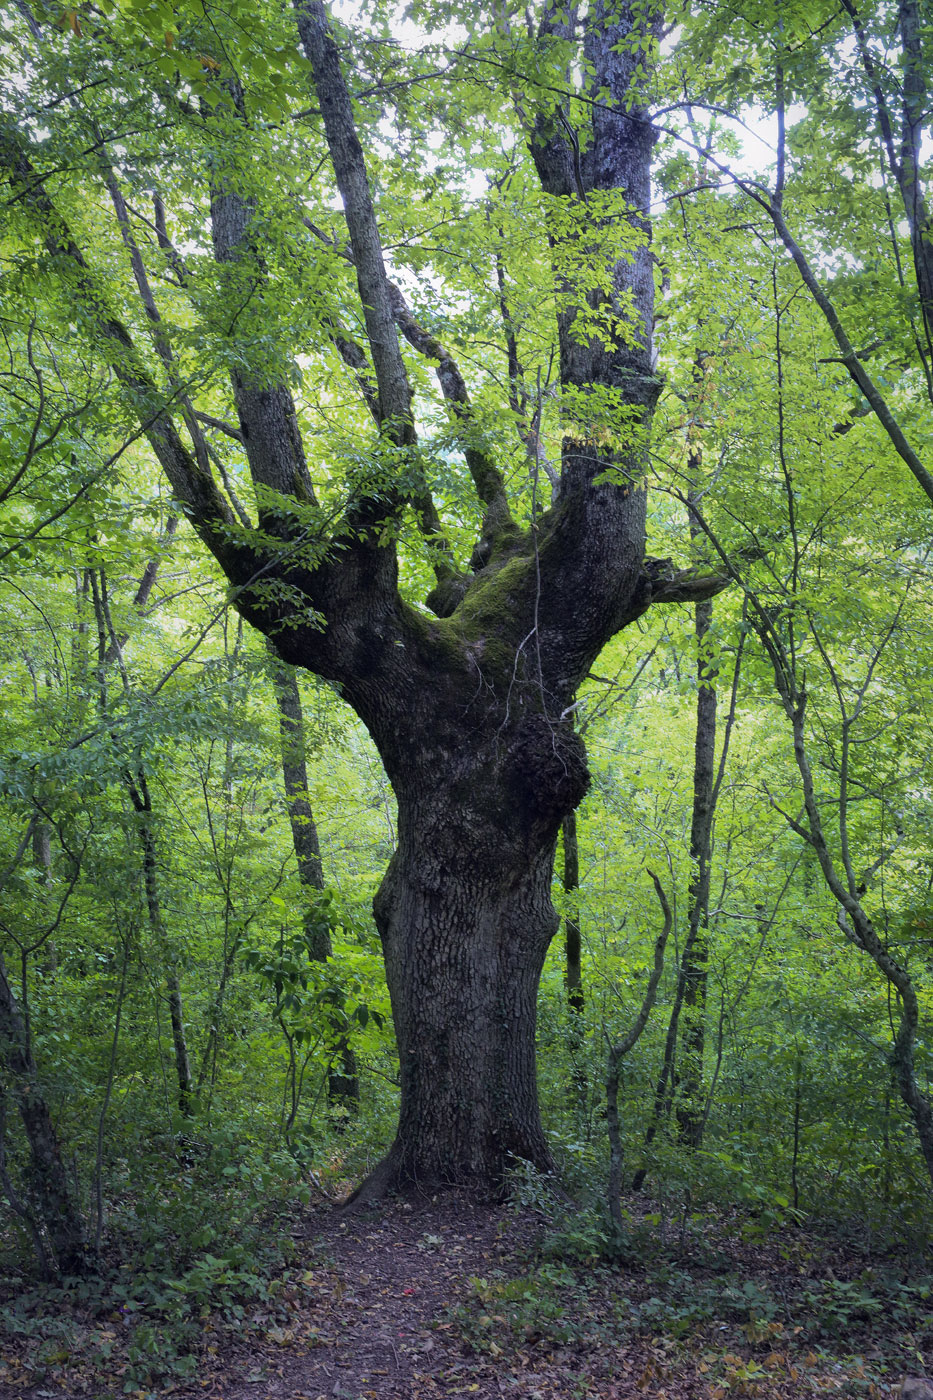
column 465, row 917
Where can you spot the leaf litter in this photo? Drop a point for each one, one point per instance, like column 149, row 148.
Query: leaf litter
column 442, row 1296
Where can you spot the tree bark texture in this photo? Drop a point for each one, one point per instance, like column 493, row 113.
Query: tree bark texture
column 464, row 944
column 466, row 918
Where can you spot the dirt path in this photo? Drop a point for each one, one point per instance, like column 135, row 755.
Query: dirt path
column 449, row 1297
column 379, row 1321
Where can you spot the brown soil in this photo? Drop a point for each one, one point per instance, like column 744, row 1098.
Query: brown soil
column 403, row 1302
column 381, row 1325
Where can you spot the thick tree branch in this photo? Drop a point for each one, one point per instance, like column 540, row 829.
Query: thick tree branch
column 221, row 425
column 487, row 478
column 352, row 181
column 268, row 419
column 683, row 585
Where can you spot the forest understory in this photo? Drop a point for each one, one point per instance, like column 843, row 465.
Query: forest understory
column 446, row 1295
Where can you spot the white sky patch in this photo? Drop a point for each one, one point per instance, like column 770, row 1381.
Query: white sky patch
column 755, row 130
column 404, row 30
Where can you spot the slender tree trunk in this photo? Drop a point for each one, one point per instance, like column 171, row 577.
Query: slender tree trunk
column 574, row 974
column 343, row 1085
column 840, row 879
column 574, row 970
column 695, row 964
column 138, row 790
column 179, row 1043
column 795, row 1150
column 53, row 1194
column 616, row 1060
column 42, row 860
column 666, row 1085
column 109, row 647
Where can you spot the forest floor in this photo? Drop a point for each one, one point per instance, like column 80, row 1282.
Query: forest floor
column 445, row 1296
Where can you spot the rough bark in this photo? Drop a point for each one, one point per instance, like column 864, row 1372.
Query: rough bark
column 464, row 946
column 465, row 917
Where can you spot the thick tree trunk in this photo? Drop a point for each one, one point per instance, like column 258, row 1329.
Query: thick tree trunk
column 469, row 712
column 466, row 918
column 464, row 948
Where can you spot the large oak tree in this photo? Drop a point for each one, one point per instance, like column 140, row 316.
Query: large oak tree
column 469, row 692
